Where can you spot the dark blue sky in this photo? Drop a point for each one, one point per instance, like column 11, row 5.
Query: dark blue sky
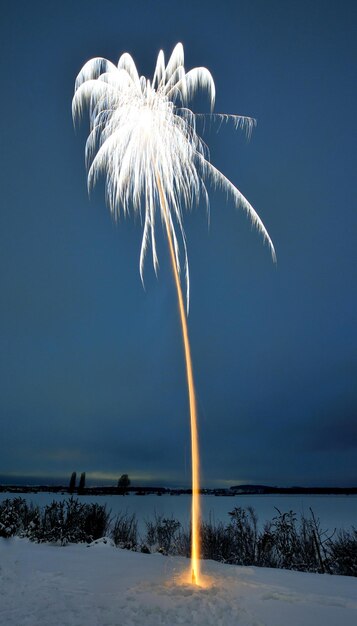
column 91, row 366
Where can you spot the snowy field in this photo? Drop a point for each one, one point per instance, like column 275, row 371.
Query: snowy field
column 333, row 511
column 99, row 585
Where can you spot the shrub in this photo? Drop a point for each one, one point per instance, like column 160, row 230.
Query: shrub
column 343, row 553
column 61, row 522
column 125, row 531
column 69, row 521
column 96, row 521
column 162, row 534
column 284, row 542
column 17, row 517
column 298, row 547
column 183, row 542
column 216, row 541
column 312, row 553
column 266, row 555
column 243, row 536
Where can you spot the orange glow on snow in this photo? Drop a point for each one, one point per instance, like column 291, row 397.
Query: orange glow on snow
column 204, row 582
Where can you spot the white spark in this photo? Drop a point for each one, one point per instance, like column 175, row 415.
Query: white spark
column 141, row 130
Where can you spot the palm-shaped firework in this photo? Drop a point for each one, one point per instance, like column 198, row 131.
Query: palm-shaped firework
column 143, row 139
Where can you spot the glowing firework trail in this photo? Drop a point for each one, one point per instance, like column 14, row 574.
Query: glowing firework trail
column 195, row 458
column 143, row 139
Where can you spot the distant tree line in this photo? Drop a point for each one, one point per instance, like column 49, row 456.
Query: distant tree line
column 123, row 483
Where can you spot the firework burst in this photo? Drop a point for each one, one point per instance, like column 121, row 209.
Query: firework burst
column 141, row 130
column 143, row 140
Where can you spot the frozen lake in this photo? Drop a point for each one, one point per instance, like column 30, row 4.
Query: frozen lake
column 333, row 511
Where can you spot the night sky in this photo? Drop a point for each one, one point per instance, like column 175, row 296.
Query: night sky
column 92, row 371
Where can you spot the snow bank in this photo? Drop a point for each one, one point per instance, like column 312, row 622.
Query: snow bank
column 99, row 585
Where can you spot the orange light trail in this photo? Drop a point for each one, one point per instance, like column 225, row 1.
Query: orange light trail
column 195, row 509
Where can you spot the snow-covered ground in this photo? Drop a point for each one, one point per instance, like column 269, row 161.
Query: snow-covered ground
column 100, row 585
